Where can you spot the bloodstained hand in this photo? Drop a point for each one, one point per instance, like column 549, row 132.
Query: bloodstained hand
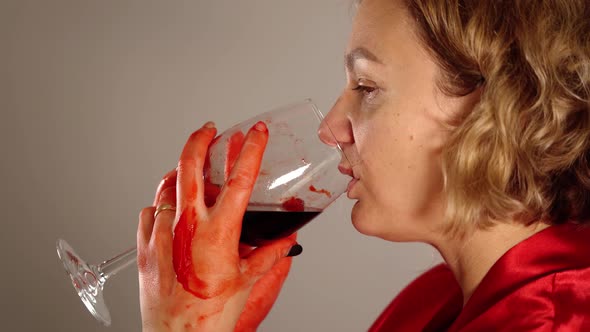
column 206, row 285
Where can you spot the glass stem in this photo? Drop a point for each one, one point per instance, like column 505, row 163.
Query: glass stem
column 110, row 267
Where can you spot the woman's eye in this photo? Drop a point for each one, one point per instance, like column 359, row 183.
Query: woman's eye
column 365, row 88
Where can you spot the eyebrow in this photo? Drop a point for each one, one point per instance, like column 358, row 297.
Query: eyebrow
column 358, row 54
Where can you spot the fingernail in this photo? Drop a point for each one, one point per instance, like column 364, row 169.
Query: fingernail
column 209, row 124
column 296, row 250
column 260, row 126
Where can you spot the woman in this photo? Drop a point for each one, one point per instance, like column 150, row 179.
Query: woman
column 468, row 123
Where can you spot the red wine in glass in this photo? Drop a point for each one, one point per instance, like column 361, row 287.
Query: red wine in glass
column 262, row 224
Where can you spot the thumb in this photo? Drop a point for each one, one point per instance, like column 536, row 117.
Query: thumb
column 262, row 259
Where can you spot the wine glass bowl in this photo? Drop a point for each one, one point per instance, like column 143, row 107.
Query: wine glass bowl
column 298, row 173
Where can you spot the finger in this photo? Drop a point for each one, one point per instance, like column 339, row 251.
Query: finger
column 276, row 276
column 244, row 249
column 238, row 188
column 162, row 232
column 145, row 226
column 161, row 240
column 262, row 259
column 263, row 295
column 189, row 183
column 168, row 180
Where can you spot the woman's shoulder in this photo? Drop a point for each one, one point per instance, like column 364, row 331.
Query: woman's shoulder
column 543, row 283
column 555, row 301
column 429, row 303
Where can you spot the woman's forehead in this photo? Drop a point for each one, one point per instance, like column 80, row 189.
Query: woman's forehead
column 381, row 27
column 376, row 7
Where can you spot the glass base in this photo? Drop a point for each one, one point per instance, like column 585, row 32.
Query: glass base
column 87, row 281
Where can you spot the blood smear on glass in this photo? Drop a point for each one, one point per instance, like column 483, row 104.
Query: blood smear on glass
column 320, row 191
column 293, row 204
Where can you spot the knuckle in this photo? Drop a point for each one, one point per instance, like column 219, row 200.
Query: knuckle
column 170, row 189
column 168, row 180
column 170, row 174
column 242, row 179
column 161, row 236
column 208, row 289
column 254, row 144
column 223, row 237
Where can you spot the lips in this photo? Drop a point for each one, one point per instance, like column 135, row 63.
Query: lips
column 346, row 171
column 350, row 186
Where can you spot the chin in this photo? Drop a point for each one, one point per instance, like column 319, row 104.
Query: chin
column 367, row 222
column 364, row 222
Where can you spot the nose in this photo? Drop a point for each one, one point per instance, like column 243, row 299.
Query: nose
column 336, row 127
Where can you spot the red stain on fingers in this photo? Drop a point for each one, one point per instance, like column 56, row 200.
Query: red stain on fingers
column 184, row 234
column 183, row 255
column 187, row 183
column 263, row 296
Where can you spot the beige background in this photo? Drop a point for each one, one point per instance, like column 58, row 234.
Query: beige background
column 97, row 98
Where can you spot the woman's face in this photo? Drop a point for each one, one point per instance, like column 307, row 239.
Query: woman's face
column 389, row 122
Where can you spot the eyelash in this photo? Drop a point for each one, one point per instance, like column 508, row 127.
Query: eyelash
column 368, row 91
column 364, row 89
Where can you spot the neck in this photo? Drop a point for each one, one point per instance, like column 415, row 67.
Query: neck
column 471, row 257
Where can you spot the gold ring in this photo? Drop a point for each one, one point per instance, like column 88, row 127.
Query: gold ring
column 163, row 207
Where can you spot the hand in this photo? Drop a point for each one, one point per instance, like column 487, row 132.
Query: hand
column 212, row 282
column 265, row 291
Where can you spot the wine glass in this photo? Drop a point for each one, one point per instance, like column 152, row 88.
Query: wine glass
column 298, row 179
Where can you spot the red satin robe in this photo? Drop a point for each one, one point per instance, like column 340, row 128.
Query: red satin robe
column 541, row 284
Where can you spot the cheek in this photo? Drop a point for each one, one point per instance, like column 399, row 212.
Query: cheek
column 401, row 178
column 379, row 145
column 376, row 136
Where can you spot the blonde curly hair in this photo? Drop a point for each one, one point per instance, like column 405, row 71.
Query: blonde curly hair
column 523, row 153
